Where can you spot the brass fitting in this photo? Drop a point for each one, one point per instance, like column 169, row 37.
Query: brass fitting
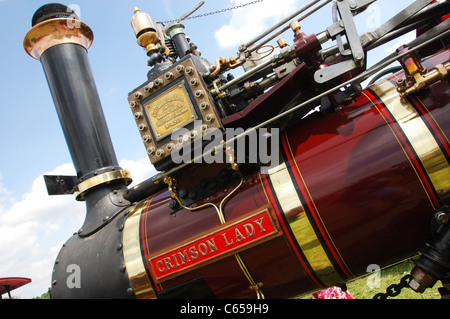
column 295, row 26
column 49, row 33
column 282, row 43
column 298, row 33
column 145, row 31
column 223, row 64
column 422, row 81
column 418, row 77
column 81, row 189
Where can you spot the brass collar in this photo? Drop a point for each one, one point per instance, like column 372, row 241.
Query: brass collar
column 52, row 32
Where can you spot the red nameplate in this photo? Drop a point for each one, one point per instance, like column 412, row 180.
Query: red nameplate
column 221, row 242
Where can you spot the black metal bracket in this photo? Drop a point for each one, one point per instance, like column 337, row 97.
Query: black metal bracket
column 434, row 261
column 60, row 184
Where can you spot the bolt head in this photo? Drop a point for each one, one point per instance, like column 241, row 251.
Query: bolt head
column 130, row 291
column 441, row 217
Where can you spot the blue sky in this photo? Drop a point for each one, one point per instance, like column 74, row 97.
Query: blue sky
column 33, row 226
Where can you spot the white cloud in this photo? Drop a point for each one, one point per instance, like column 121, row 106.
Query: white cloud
column 140, row 170
column 391, row 47
column 250, row 21
column 30, row 228
column 33, row 229
column 5, row 195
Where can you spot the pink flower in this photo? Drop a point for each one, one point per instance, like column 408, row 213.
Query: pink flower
column 332, row 293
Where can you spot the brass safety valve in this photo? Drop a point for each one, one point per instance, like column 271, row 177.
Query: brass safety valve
column 145, row 31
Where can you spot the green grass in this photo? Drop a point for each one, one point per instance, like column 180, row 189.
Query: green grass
column 359, row 287
column 360, row 290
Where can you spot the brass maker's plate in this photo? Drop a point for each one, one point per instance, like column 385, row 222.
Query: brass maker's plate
column 169, row 111
column 178, row 98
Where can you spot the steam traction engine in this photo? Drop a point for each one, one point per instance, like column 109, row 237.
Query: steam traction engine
column 285, row 179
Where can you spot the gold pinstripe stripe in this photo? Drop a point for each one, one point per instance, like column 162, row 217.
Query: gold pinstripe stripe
column 301, row 227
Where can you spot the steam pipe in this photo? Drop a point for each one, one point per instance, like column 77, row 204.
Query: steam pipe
column 60, row 41
column 74, row 93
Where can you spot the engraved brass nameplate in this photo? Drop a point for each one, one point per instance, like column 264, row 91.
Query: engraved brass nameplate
column 169, row 111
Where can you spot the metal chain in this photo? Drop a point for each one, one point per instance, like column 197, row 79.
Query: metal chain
column 215, row 12
column 395, row 290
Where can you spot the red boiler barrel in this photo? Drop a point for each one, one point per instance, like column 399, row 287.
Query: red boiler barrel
column 353, row 189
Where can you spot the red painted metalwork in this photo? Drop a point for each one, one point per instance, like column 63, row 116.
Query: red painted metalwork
column 354, row 187
column 7, row 284
column 361, row 184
